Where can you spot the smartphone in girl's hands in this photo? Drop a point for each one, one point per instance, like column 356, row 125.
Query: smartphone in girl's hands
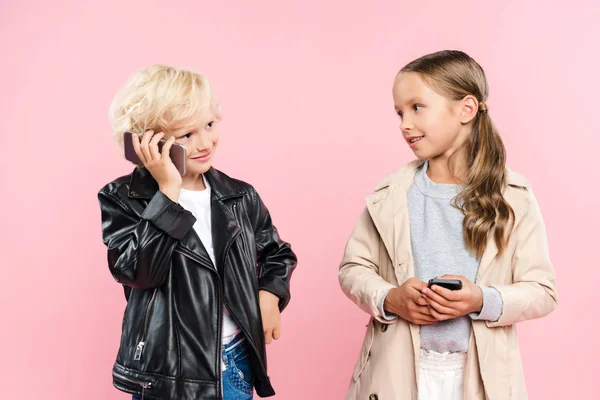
column 450, row 284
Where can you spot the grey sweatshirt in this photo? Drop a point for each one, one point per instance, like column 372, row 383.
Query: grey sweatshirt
column 436, row 231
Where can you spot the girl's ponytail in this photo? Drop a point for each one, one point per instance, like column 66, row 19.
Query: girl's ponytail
column 481, row 200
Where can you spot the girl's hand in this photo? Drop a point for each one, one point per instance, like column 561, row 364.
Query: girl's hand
column 449, row 304
column 407, row 302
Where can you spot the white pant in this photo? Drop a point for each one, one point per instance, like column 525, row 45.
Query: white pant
column 441, row 375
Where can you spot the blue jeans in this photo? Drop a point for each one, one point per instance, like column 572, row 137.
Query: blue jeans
column 237, row 377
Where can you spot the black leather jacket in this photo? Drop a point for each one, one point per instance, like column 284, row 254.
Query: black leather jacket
column 171, row 340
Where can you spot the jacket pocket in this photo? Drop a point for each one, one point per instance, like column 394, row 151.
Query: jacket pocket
column 142, row 343
column 365, row 351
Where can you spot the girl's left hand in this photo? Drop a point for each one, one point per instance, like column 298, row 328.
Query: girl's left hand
column 449, row 304
column 271, row 317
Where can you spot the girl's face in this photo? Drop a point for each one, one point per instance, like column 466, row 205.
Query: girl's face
column 432, row 125
column 200, row 139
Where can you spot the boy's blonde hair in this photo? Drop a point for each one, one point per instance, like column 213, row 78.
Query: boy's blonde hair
column 162, row 98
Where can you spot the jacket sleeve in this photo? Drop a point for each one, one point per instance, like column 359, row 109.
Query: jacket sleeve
column 140, row 248
column 533, row 291
column 359, row 273
column 276, row 260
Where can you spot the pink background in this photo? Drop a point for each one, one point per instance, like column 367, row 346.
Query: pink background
column 306, row 92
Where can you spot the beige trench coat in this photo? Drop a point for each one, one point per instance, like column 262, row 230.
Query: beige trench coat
column 378, row 257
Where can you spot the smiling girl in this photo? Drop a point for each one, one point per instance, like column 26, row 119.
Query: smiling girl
column 455, row 213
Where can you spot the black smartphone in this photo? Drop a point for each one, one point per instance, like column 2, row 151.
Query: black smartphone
column 450, row 284
column 177, row 152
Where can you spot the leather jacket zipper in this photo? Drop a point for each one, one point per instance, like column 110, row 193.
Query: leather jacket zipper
column 193, row 257
column 144, row 384
column 223, row 304
column 252, row 345
column 140, row 347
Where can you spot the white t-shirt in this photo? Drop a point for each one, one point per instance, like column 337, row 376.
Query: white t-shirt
column 198, row 203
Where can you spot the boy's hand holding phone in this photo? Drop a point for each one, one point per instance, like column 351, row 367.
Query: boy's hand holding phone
column 449, row 304
column 158, row 163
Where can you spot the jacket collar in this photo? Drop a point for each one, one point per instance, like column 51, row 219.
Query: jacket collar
column 143, row 186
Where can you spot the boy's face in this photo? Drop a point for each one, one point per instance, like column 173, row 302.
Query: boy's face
column 200, row 139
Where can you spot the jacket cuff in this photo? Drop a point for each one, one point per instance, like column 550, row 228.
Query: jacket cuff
column 275, row 285
column 168, row 216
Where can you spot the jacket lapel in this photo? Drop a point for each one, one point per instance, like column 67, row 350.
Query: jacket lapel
column 225, row 227
column 224, row 231
column 382, row 213
column 388, row 208
column 192, row 243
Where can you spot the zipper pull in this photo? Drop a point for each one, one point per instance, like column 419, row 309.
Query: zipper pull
column 138, row 351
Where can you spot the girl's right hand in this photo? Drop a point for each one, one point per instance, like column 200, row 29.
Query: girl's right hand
column 407, row 302
column 159, row 164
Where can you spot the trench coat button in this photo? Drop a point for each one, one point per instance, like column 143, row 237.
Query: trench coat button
column 134, row 194
column 373, row 396
column 384, row 327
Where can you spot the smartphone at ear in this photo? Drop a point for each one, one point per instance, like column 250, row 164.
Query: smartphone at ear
column 450, row 284
column 176, row 153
